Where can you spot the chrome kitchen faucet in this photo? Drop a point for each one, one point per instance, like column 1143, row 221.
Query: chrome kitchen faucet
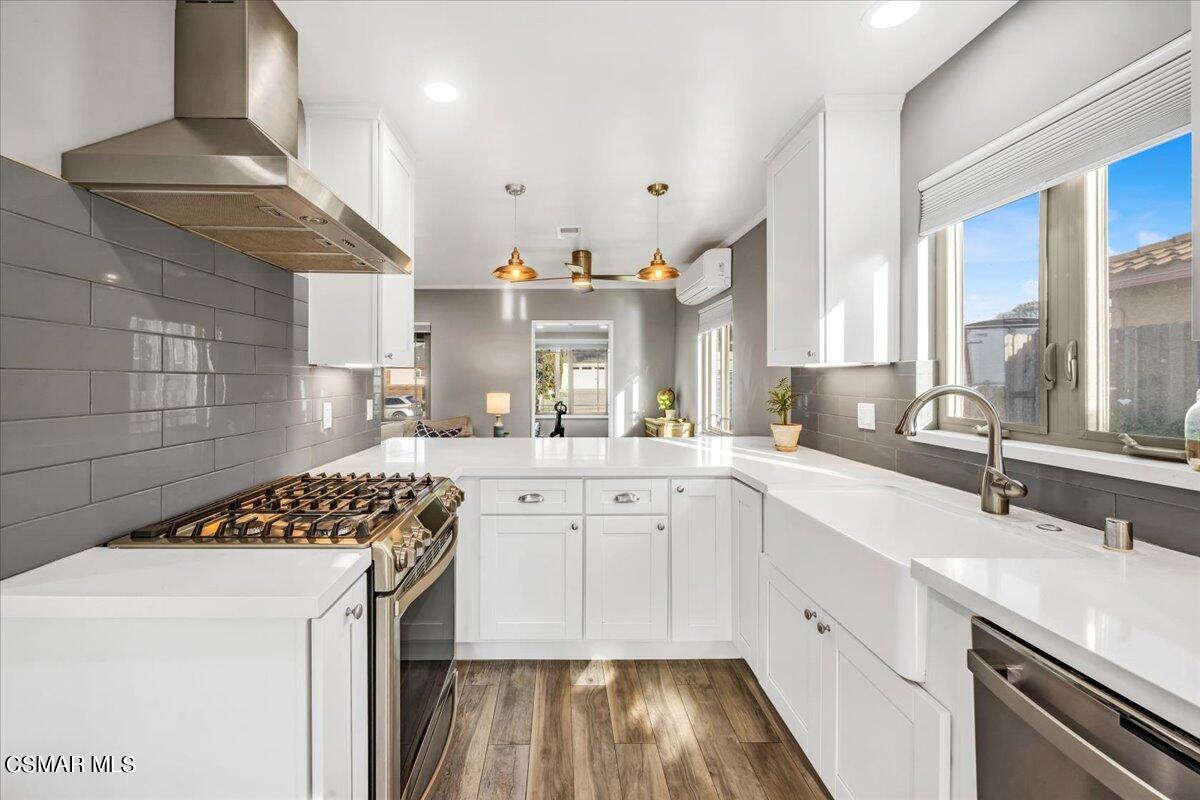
column 996, row 488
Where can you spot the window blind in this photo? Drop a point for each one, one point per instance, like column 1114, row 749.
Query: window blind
column 1145, row 101
column 715, row 315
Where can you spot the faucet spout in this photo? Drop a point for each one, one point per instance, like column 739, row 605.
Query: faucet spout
column 996, row 488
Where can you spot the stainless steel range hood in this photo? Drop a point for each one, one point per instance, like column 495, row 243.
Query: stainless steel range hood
column 225, row 167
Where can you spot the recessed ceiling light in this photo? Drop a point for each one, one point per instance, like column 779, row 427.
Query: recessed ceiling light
column 441, row 92
column 891, row 13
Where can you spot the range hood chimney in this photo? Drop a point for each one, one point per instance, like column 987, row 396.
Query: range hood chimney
column 225, row 167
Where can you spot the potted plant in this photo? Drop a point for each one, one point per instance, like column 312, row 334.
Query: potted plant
column 779, row 402
column 666, row 403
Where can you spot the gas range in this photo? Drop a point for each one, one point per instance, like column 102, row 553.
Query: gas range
column 399, row 517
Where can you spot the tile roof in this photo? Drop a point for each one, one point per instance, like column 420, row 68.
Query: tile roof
column 1160, row 256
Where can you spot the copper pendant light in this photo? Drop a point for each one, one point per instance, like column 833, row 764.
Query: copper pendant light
column 516, row 270
column 658, row 269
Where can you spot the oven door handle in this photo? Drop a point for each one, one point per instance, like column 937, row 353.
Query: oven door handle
column 406, row 598
column 1083, row 753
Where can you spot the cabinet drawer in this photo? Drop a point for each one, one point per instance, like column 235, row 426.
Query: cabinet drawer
column 624, row 496
column 523, row 496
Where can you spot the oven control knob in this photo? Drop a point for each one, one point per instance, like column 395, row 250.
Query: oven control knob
column 421, row 533
column 400, row 557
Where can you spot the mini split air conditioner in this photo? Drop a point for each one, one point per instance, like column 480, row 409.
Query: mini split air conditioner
column 709, row 276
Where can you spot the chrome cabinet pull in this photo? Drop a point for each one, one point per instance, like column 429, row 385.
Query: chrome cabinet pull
column 574, row 526
column 625, row 497
column 679, row 489
column 822, row 627
column 355, row 612
column 662, row 526
column 533, row 497
column 809, row 613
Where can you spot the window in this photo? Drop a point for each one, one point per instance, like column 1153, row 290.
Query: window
column 1070, row 309
column 1140, row 326
column 575, row 374
column 406, row 389
column 715, row 350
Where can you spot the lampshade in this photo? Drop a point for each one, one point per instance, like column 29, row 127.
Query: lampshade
column 516, row 270
column 658, row 269
column 497, row 402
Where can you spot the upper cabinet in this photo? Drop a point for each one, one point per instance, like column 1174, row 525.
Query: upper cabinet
column 833, row 235
column 363, row 319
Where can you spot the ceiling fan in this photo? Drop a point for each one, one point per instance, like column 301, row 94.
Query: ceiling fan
column 581, row 277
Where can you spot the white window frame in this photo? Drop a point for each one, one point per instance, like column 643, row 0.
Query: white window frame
column 535, row 335
column 714, row 344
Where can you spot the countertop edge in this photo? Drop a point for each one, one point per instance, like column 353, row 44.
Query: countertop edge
column 1162, row 701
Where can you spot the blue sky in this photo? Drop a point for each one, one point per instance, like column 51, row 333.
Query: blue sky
column 1149, row 199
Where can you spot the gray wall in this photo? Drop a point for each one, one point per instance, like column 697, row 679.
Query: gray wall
column 1036, row 55
column 145, row 371
column 751, row 375
column 828, row 407
column 480, row 343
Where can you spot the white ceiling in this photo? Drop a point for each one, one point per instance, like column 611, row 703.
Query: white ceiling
column 587, row 102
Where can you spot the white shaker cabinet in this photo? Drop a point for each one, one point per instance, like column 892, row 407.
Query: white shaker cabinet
column 746, row 516
column 531, row 577
column 833, row 235
column 363, row 319
column 701, row 560
column 626, row 577
column 340, row 697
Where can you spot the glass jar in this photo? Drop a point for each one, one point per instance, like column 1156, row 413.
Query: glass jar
column 1191, row 433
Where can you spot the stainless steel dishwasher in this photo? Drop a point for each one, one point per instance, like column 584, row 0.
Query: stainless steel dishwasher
column 1042, row 730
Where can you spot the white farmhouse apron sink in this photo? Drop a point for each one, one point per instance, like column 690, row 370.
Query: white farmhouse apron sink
column 851, row 550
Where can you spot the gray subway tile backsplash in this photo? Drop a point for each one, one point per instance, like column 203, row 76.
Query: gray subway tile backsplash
column 114, row 222
column 120, row 338
column 26, row 242
column 828, row 407
column 32, row 344
column 120, row 475
column 34, row 194
column 32, row 294
column 40, row 393
column 138, row 311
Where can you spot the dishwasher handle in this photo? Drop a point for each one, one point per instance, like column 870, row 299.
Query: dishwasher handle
column 1087, row 756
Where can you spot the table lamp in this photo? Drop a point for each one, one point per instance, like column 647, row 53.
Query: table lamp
column 498, row 403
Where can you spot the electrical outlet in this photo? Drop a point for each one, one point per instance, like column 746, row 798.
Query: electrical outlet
column 866, row 416
column 326, row 415
column 370, row 409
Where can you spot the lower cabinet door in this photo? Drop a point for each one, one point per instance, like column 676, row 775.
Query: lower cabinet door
column 531, row 577
column 339, row 698
column 747, row 517
column 794, row 658
column 701, row 561
column 882, row 736
column 626, row 596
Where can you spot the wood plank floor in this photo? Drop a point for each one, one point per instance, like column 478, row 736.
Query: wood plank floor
column 619, row 730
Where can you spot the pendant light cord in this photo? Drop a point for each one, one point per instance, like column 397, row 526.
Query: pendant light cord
column 658, row 222
column 514, row 222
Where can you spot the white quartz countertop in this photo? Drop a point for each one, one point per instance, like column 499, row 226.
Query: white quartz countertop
column 1130, row 621
column 177, row 583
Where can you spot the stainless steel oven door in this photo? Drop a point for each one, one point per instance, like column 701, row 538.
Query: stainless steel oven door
column 414, row 658
column 1043, row 730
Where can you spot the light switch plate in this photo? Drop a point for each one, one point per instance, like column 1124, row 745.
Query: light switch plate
column 866, row 416
column 370, row 409
column 326, row 415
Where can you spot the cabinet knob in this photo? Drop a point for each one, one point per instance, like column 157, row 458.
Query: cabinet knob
column 809, row 613
column 679, row 489
column 662, row 526
column 822, row 627
column 389, row 355
column 355, row 612
column 574, row 526
column 811, row 353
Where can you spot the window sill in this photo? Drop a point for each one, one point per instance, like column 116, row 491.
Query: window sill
column 1116, row 465
column 572, row 416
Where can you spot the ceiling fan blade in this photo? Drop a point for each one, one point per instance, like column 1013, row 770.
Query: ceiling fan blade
column 615, row 277
column 535, row 280
column 578, row 270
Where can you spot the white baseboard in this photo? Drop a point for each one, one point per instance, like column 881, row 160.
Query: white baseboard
column 538, row 651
